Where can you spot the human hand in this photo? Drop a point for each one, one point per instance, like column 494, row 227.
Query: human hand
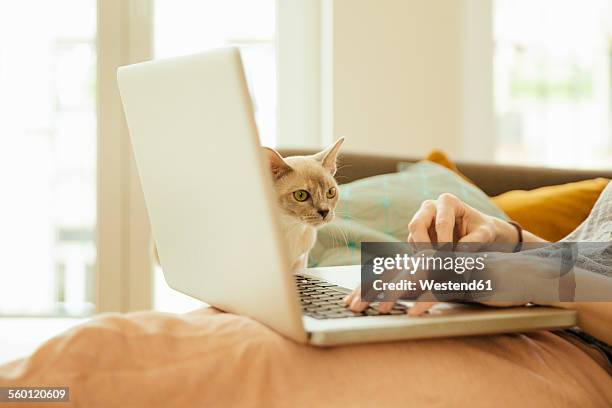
column 448, row 219
column 518, row 279
column 357, row 303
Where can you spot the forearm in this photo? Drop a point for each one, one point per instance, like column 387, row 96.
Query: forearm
column 534, row 279
column 593, row 317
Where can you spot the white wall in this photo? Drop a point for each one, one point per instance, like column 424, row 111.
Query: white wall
column 399, row 76
column 298, row 72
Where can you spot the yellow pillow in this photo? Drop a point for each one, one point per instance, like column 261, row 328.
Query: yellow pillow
column 550, row 212
column 439, row 157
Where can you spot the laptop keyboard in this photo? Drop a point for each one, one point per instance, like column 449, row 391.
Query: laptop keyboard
column 322, row 300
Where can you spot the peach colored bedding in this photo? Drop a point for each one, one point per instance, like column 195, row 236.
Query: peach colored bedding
column 212, row 359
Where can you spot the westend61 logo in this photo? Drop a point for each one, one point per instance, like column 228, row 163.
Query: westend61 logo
column 413, row 263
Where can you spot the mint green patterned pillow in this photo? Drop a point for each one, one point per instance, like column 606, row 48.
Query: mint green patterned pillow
column 379, row 208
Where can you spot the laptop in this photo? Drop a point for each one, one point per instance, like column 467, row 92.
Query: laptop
column 198, row 155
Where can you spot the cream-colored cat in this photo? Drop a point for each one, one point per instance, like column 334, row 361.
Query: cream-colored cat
column 307, row 194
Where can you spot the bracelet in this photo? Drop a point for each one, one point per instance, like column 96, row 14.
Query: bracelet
column 519, row 230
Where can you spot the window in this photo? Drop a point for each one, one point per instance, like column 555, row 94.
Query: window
column 197, row 25
column 47, row 157
column 552, row 79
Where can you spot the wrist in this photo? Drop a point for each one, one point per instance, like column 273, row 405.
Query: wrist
column 505, row 232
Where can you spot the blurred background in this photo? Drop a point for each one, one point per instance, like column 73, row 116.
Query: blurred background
column 511, row 81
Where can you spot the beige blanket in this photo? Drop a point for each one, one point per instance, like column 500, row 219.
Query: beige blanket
column 212, row 359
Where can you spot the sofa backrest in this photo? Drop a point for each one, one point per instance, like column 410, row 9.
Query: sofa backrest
column 493, row 179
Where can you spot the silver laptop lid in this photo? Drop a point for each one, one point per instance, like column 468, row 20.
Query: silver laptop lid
column 206, row 185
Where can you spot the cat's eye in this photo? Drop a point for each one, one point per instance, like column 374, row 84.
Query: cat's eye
column 301, row 195
column 331, row 193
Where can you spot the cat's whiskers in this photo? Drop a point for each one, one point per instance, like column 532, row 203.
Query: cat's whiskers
column 343, row 235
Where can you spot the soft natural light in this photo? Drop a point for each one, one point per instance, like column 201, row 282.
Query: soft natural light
column 552, row 82
column 47, row 156
column 191, row 26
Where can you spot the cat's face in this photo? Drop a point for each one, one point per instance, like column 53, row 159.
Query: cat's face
column 305, row 185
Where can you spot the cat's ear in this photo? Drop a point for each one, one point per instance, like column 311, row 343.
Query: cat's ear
column 278, row 165
column 329, row 156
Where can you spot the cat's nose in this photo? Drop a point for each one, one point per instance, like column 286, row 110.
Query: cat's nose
column 323, row 213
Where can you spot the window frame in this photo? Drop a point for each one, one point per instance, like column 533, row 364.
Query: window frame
column 124, row 266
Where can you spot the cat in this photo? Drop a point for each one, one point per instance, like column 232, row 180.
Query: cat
column 307, row 194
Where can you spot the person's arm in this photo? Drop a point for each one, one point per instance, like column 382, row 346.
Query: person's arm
column 536, row 280
column 448, row 219
column 593, row 317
